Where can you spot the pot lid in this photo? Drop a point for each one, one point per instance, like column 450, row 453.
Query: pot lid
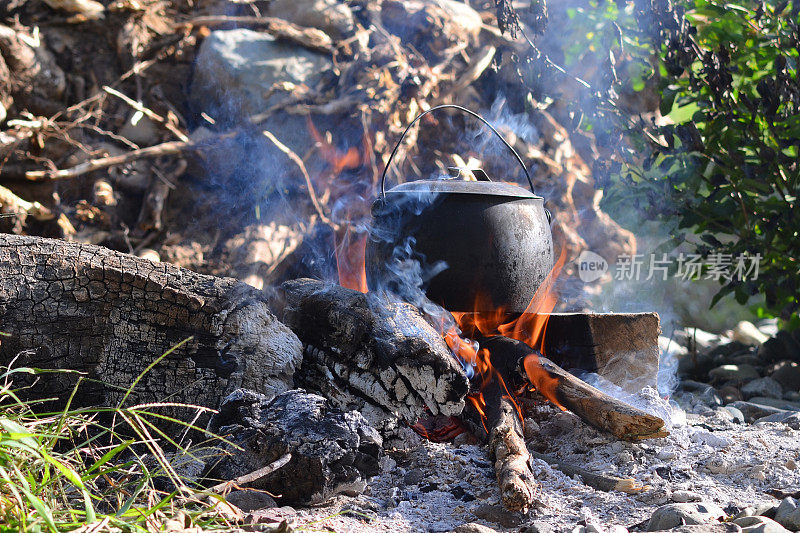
column 460, row 186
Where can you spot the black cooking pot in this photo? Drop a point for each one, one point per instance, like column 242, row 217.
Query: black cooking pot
column 483, row 245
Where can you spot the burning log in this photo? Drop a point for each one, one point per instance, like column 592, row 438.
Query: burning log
column 605, row 412
column 365, row 350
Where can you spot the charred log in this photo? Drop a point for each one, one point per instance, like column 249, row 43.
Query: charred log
column 364, row 350
column 332, row 451
column 109, row 315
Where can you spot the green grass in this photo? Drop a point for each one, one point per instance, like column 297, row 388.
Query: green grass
column 74, row 470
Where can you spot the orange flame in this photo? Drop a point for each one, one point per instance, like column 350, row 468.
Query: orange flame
column 349, row 244
column 350, row 252
column 530, row 327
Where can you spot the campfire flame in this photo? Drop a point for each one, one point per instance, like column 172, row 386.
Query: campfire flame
column 530, row 327
column 349, row 241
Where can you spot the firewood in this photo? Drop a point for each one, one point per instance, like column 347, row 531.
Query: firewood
column 368, row 350
column 590, row 404
column 512, row 462
column 107, row 316
column 597, row 481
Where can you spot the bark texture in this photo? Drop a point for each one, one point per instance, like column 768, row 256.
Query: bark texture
column 109, row 315
column 365, row 351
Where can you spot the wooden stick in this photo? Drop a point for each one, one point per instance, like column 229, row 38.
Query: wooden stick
column 282, row 461
column 138, row 106
column 593, row 406
column 309, row 37
column 512, row 462
column 167, row 148
column 299, row 162
column 592, row 479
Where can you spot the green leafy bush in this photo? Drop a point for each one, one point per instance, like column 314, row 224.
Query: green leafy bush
column 723, row 165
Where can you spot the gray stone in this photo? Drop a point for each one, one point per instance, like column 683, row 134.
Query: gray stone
column 473, row 527
column 497, row 514
column 681, row 514
column 537, row 526
column 775, row 402
column 753, row 411
column 788, row 514
column 683, row 496
column 414, row 476
column 787, row 374
column 250, row 500
column 733, row 373
column 735, row 413
column 759, row 524
column 790, row 418
column 235, row 68
column 723, row 527
column 765, row 387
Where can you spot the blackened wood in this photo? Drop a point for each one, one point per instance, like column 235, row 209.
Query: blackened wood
column 366, row 349
column 109, row 315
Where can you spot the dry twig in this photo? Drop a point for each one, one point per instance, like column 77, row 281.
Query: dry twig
column 309, row 37
column 253, row 476
column 299, row 162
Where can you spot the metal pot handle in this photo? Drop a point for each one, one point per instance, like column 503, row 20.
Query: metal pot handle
column 467, row 111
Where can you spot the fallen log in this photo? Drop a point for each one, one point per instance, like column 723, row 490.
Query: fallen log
column 368, row 352
column 106, row 316
column 511, row 358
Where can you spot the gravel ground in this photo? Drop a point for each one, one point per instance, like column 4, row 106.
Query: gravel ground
column 707, row 457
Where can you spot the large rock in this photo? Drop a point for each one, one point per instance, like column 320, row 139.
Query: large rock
column 759, row 524
column 680, row 514
column 765, row 387
column 788, row 514
column 333, row 451
column 235, row 68
column 733, row 373
column 787, row 374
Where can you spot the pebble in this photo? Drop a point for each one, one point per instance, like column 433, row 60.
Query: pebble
column 710, row 439
column 753, row 411
column 537, row 526
column 683, row 496
column 473, row 527
column 730, row 393
column 679, row 514
column 734, row 373
column 736, row 414
column 788, row 514
column 250, row 500
column 767, row 387
column 497, row 514
column 759, row 524
column 747, row 333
